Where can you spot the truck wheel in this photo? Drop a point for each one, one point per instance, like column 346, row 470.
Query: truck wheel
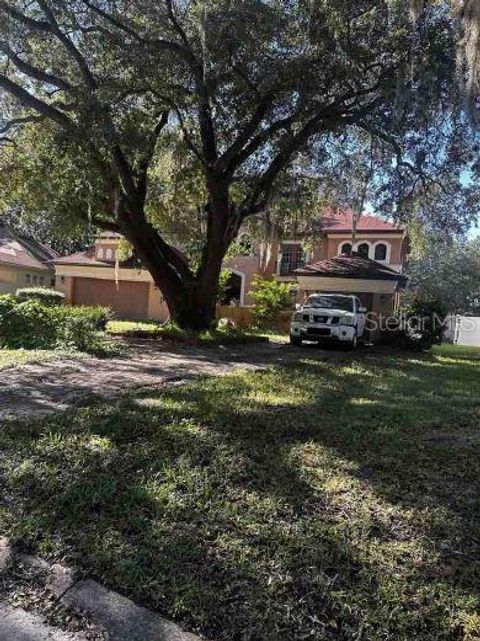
column 295, row 340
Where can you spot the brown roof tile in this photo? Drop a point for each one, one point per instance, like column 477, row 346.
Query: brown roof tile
column 341, row 222
column 350, row 267
column 25, row 252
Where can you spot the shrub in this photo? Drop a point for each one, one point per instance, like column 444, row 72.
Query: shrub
column 48, row 297
column 98, row 317
column 82, row 327
column 28, row 325
column 270, row 297
column 33, row 325
column 419, row 324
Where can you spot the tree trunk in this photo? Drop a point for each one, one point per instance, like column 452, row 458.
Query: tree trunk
column 191, row 299
column 193, row 310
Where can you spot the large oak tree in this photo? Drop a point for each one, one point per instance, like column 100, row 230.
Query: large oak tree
column 240, row 87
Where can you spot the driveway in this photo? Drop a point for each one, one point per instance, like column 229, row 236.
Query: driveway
column 33, row 390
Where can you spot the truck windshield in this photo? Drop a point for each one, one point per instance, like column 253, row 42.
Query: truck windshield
column 344, row 303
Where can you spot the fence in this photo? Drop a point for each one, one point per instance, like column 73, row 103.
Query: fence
column 467, row 331
column 243, row 317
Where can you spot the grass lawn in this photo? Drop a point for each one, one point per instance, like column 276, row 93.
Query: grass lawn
column 323, row 500
column 14, row 357
column 172, row 332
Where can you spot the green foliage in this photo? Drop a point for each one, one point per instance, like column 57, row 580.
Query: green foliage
column 33, row 325
column 448, row 271
column 420, row 324
column 271, row 297
column 28, row 325
column 48, row 297
column 225, row 275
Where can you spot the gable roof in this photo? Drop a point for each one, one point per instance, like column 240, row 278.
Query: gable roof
column 341, row 222
column 25, row 252
column 86, row 257
column 350, row 267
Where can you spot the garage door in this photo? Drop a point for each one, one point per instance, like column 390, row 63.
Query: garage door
column 129, row 300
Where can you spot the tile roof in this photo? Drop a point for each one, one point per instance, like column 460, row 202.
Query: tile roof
column 350, row 267
column 86, row 257
column 22, row 251
column 341, row 221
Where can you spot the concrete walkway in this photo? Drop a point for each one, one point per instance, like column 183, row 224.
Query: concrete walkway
column 105, row 615
column 18, row 625
column 33, row 390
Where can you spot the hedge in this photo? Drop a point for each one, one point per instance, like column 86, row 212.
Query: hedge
column 33, row 325
column 49, row 297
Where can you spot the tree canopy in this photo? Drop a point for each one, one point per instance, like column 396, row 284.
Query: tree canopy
column 142, row 115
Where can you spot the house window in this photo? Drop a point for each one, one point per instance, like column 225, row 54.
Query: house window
column 28, row 279
column 108, row 254
column 381, row 252
column 346, row 249
column 100, row 253
column 363, row 250
column 41, row 280
column 35, row 280
column 293, row 257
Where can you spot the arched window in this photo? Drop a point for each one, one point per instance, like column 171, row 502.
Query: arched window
column 363, row 250
column 346, row 249
column 381, row 252
column 109, row 253
column 100, row 253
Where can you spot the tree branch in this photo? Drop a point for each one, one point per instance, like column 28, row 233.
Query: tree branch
column 69, row 46
column 34, row 72
column 158, row 43
column 148, row 155
column 41, row 107
column 228, row 159
column 20, row 121
column 37, row 25
column 325, row 120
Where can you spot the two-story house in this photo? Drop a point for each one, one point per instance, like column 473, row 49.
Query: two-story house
column 95, row 277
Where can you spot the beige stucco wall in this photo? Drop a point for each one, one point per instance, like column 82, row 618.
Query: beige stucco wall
column 13, row 278
column 395, row 243
column 65, row 284
column 311, row 284
column 247, row 267
column 157, row 307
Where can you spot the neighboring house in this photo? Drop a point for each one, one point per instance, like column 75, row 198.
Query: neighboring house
column 91, row 277
column 24, row 262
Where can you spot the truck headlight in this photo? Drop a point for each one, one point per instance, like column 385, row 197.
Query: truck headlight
column 348, row 319
column 298, row 317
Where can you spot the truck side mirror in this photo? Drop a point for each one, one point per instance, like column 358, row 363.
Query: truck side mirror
column 362, row 310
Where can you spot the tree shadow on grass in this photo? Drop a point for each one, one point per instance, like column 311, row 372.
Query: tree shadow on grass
column 283, row 505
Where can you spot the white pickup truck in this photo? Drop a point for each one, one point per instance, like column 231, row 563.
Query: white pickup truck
column 329, row 317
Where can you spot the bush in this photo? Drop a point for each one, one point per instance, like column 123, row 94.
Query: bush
column 82, row 327
column 98, row 317
column 419, row 324
column 271, row 297
column 34, row 325
column 48, row 297
column 28, row 325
